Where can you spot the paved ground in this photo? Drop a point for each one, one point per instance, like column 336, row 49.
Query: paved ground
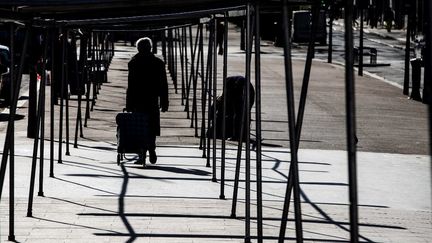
column 91, row 199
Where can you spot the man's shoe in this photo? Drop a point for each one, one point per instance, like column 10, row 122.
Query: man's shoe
column 153, row 157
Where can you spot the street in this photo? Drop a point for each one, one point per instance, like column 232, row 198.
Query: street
column 390, row 51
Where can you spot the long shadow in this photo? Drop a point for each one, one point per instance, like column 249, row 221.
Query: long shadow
column 98, row 147
column 176, row 127
column 79, row 225
column 105, row 110
column 316, row 207
column 166, row 197
column 82, row 185
column 80, row 204
column 90, row 168
column 240, row 200
column 5, row 117
column 178, row 170
column 98, row 168
column 205, row 216
column 191, row 172
column 225, row 236
column 327, row 217
column 121, row 212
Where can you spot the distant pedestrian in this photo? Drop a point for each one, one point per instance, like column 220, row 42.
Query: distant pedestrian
column 388, row 18
column 147, row 89
column 220, row 32
column 373, row 19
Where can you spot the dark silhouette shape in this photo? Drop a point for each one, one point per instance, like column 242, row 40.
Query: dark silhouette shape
column 220, row 32
column 147, row 89
column 388, row 18
column 5, row 117
column 235, row 101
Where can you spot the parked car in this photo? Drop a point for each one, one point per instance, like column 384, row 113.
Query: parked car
column 302, row 22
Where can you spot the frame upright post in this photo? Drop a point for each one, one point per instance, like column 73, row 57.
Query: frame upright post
column 63, row 74
column 351, row 122
column 247, row 123
column 294, row 179
column 258, row 122
column 42, row 116
column 40, row 110
column 225, row 74
column 11, row 236
column 360, row 65
column 214, row 121
column 52, row 101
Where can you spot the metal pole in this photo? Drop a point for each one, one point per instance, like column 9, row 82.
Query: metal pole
column 186, row 73
column 242, row 133
column 194, row 103
column 171, row 53
column 175, row 51
column 80, row 79
column 42, row 116
column 63, row 70
column 407, row 58
column 258, row 122
column 351, row 125
column 40, row 110
column 292, row 133
column 67, row 64
column 203, row 90
column 203, row 144
column 11, row 236
column 214, row 121
column 32, row 101
column 360, row 66
column 52, row 107
column 238, row 163
column 303, row 95
column 9, row 145
column 225, row 74
column 192, row 70
column 330, row 46
column 180, row 37
column 89, row 82
column 247, row 162
column 209, row 88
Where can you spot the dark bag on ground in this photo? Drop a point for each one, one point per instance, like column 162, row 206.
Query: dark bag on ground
column 235, row 97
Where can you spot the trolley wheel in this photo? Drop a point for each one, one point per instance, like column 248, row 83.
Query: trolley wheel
column 118, row 158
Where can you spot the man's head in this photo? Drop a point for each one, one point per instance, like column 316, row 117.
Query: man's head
column 144, row 45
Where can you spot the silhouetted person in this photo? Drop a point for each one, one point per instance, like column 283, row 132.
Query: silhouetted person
column 220, row 32
column 235, row 98
column 388, row 18
column 373, row 19
column 147, row 90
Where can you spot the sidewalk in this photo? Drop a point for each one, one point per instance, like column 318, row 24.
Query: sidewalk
column 91, row 199
column 398, row 35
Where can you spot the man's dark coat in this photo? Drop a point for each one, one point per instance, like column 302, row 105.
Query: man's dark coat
column 147, row 87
